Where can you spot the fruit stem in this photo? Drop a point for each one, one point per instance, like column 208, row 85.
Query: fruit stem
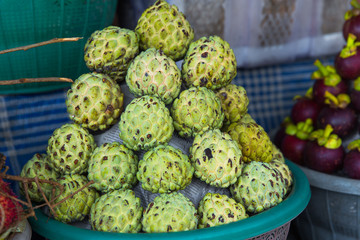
column 326, row 138
column 342, row 100
column 351, row 47
column 327, row 73
column 301, row 130
column 354, row 11
column 354, row 145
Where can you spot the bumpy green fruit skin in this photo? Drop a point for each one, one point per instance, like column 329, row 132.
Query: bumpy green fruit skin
column 111, row 51
column 112, row 166
column 217, row 158
column 69, row 149
column 253, row 141
column 209, row 62
column 165, row 169
column 117, row 211
column 170, row 212
column 94, row 101
column 163, row 26
column 145, row 123
column 153, row 73
column 285, row 172
column 234, row 101
column 259, row 187
column 195, row 111
column 77, row 207
column 38, row 166
column 216, row 209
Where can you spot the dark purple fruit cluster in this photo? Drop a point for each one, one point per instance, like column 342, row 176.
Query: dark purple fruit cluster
column 314, row 133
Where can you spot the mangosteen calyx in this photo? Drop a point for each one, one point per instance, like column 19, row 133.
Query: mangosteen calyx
column 308, row 95
column 325, row 138
column 354, row 145
column 301, row 130
column 351, row 47
column 355, row 11
column 342, row 100
column 356, row 85
column 327, row 73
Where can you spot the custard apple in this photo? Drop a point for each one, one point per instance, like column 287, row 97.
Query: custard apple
column 165, row 169
column 253, row 141
column 195, row 111
column 163, row 26
column 217, row 158
column 117, row 211
column 170, row 212
column 259, row 187
column 209, row 62
column 112, row 166
column 153, row 73
column 145, row 123
column 76, row 207
column 216, row 209
column 69, row 149
column 234, row 102
column 38, row 166
column 94, row 101
column 110, row 51
column 285, row 173
column 277, row 154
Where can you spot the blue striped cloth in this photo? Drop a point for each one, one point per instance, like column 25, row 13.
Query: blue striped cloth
column 27, row 121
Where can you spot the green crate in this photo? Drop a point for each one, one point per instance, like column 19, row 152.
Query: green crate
column 25, row 22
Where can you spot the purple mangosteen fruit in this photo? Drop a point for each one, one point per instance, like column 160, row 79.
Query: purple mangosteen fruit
column 324, row 151
column 338, row 114
column 352, row 20
column 351, row 166
column 305, row 107
column 355, row 95
column 293, row 144
column 327, row 79
column 347, row 61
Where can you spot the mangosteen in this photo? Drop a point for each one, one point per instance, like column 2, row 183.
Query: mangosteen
column 355, row 95
column 347, row 61
column 305, row 107
column 324, row 151
column 338, row 114
column 352, row 20
column 327, row 79
column 351, row 166
column 293, row 143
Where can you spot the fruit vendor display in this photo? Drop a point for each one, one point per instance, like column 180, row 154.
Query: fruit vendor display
column 138, row 181
column 330, row 112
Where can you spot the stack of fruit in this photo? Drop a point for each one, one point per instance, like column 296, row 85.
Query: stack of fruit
column 322, row 129
column 229, row 150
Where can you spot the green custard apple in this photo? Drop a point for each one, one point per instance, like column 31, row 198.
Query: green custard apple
column 163, row 26
column 234, row 101
column 165, row 169
column 117, row 211
column 209, row 62
column 217, row 158
column 195, row 111
column 153, row 73
column 253, row 141
column 95, row 101
column 112, row 166
column 170, row 212
column 216, row 209
column 285, row 172
column 69, row 149
column 76, row 207
column 145, row 123
column 110, row 51
column 259, row 187
column 38, row 166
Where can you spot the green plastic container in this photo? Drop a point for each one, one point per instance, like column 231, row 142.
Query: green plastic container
column 25, row 22
column 260, row 226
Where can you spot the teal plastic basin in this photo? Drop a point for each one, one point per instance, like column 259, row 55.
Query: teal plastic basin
column 253, row 226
